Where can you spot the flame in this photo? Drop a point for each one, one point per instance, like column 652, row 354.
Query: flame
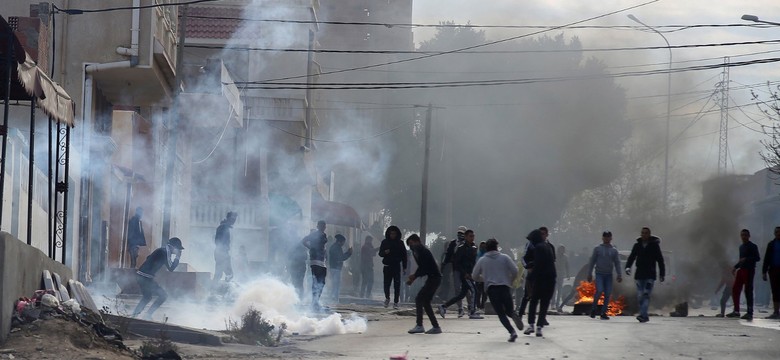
column 585, row 292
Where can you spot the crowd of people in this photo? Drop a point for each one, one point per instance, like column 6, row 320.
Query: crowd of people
column 479, row 272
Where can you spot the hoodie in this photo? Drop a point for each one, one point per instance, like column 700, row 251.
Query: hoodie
column 222, row 237
column 646, row 256
column 604, row 258
column 539, row 257
column 397, row 255
column 495, row 269
column 426, row 264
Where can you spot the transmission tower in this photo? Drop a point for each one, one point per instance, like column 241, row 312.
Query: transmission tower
column 723, row 93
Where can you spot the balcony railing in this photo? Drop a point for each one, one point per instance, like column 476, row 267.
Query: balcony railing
column 209, row 214
column 166, row 20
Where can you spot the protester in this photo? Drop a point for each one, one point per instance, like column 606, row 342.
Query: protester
column 647, row 253
column 771, row 266
column 222, row 262
column 296, row 266
column 367, row 253
column 426, row 266
column 464, row 260
column 336, row 258
column 498, row 271
column 727, row 283
column 449, row 257
column 393, row 253
column 604, row 259
column 168, row 256
column 135, row 236
column 545, row 233
column 744, row 272
column 315, row 242
column 540, row 262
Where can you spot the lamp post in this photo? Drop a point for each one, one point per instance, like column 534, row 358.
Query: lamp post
column 668, row 108
column 754, row 18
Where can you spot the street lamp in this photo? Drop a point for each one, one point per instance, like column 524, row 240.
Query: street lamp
column 668, row 107
column 754, row 18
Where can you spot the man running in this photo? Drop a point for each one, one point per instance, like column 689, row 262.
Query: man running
column 744, row 272
column 426, row 266
column 604, row 258
column 168, row 256
column 465, row 258
column 647, row 253
column 771, row 266
column 498, row 271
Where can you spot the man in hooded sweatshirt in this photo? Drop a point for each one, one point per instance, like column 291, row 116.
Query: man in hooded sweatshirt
column 498, row 271
column 540, row 262
column 604, row 258
column 222, row 262
column 647, row 253
column 315, row 242
column 167, row 256
column 393, row 253
column 426, row 266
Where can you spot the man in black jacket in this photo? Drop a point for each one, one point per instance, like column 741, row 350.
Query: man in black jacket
column 539, row 260
column 394, row 259
column 167, row 256
column 449, row 257
column 336, row 258
column 646, row 252
column 426, row 266
column 465, row 258
column 771, row 266
column 744, row 272
column 222, row 262
column 135, row 236
column 315, row 242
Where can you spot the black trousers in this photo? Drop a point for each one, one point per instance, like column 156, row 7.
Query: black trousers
column 367, row 278
column 297, row 273
column 222, row 265
column 149, row 288
column 318, row 274
column 527, row 290
column 423, row 300
column 392, row 274
column 467, row 288
column 541, row 294
column 501, row 299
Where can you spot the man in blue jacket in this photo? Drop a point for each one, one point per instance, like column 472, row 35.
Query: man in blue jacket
column 744, row 272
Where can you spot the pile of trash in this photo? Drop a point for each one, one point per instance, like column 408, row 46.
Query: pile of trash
column 44, row 305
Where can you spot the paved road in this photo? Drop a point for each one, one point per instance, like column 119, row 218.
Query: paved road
column 568, row 337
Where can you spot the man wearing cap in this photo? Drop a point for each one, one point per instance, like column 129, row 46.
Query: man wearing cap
column 604, row 258
column 449, row 257
column 167, row 255
column 222, row 263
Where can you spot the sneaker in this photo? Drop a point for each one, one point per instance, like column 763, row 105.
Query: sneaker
column 604, row 317
column 544, row 323
column 461, row 313
column 417, row 330
column 719, row 315
column 560, row 309
column 512, row 337
column 395, row 306
column 748, row 317
column 387, row 303
column 733, row 314
column 442, row 311
column 774, row 316
column 530, row 329
column 539, row 331
column 518, row 321
column 642, row 319
column 434, row 330
column 475, row 316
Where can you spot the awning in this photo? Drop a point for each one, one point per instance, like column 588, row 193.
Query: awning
column 334, row 213
column 29, row 80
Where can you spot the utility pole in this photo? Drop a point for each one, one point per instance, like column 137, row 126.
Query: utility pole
column 426, row 160
column 723, row 148
column 174, row 128
column 309, row 62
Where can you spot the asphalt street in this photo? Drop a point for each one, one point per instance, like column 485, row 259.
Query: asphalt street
column 567, row 337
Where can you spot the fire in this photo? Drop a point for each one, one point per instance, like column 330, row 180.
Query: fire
column 585, row 292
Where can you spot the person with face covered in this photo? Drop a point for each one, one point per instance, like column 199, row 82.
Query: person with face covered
column 394, row 261
column 540, row 263
column 167, row 256
column 465, row 258
column 449, row 257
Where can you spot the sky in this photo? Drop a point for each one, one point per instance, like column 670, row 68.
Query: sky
column 697, row 149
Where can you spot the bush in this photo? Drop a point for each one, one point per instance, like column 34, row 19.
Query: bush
column 254, row 330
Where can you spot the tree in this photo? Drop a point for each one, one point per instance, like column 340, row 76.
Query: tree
column 771, row 109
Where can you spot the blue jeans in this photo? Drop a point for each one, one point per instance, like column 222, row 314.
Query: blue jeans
column 335, row 281
column 603, row 284
column 644, row 288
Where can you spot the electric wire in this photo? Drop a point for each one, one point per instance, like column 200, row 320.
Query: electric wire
column 374, row 136
column 71, row 11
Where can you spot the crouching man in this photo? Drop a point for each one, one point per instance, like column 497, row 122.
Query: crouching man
column 167, row 255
